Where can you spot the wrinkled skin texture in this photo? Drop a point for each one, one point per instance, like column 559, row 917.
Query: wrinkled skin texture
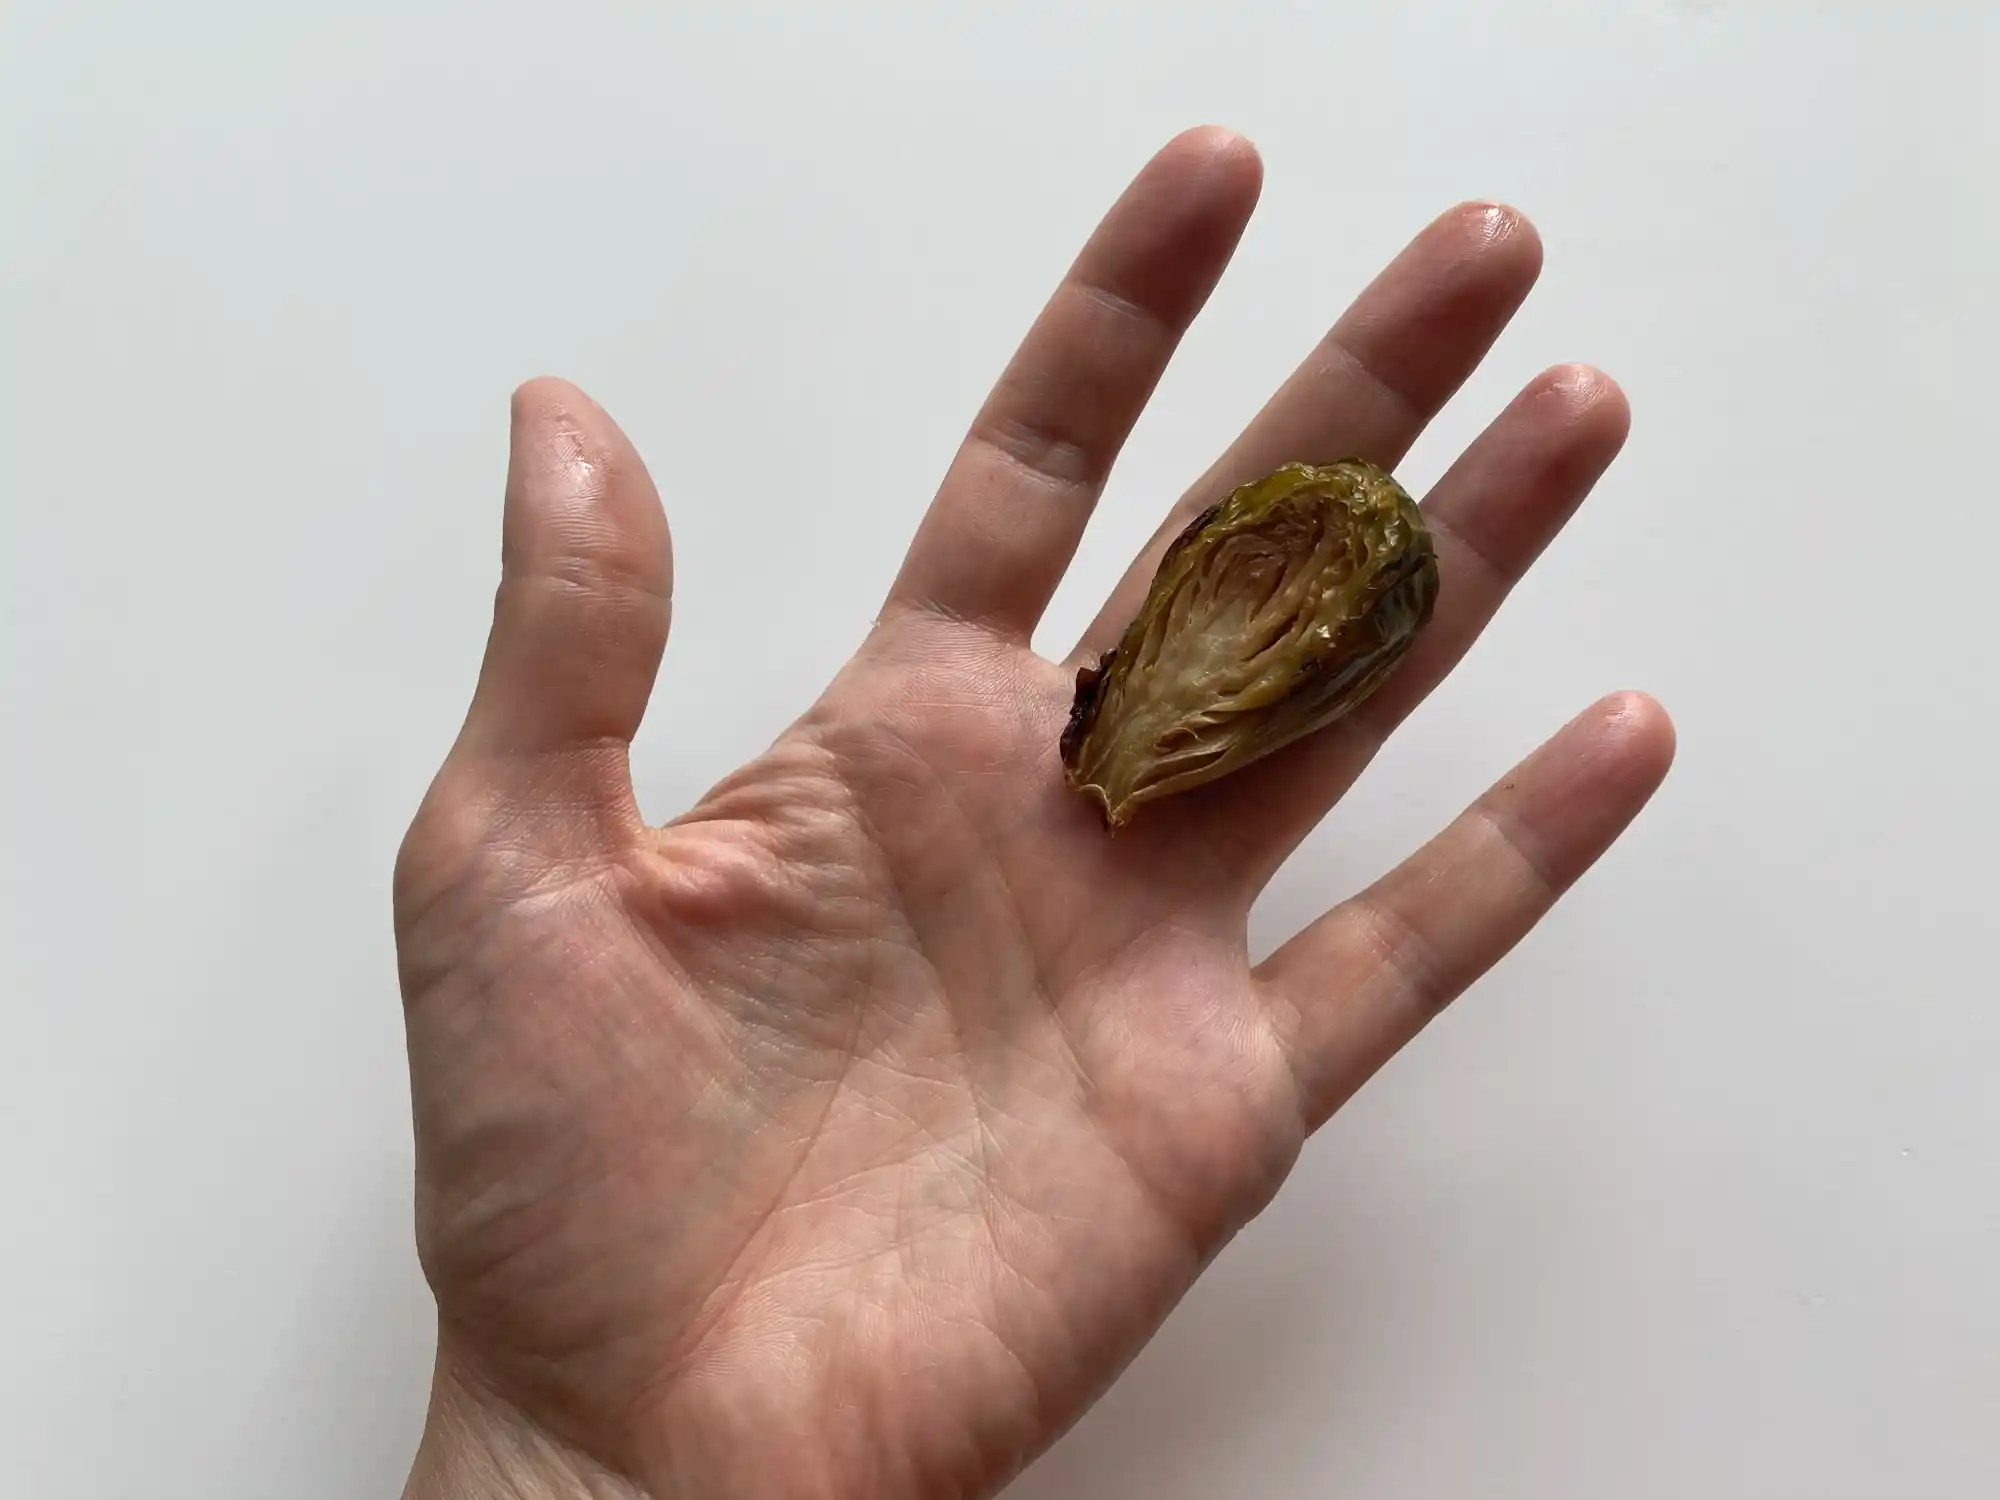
column 846, row 1135
column 1281, row 608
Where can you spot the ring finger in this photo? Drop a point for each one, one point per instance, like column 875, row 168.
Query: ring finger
column 1491, row 515
column 1377, row 378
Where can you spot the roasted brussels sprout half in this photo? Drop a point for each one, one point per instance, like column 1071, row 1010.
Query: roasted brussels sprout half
column 1276, row 611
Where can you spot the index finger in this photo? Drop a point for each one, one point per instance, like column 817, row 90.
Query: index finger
column 1007, row 519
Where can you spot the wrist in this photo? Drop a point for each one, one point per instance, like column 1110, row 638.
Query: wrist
column 476, row 1446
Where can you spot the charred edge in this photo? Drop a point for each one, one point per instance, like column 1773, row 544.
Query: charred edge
column 1417, row 576
column 1188, row 533
column 1083, row 708
column 1430, row 581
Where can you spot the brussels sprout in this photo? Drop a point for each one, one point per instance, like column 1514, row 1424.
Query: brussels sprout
column 1275, row 612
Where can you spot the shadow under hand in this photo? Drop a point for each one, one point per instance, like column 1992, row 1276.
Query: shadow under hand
column 1325, row 1346
column 1257, row 1358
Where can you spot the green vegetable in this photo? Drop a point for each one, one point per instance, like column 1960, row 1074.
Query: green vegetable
column 1275, row 612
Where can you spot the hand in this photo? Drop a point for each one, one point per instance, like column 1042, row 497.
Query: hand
column 847, row 1135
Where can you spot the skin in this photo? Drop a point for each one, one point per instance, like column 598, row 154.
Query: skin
column 847, row 1135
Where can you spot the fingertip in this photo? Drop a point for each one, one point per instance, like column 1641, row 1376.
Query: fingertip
column 1585, row 385
column 1220, row 142
column 1427, row 319
column 540, row 393
column 1241, row 167
column 576, row 483
column 585, row 600
column 1588, row 399
column 1231, row 153
column 548, row 406
column 547, row 403
column 1217, row 173
column 1570, row 799
column 1593, row 775
column 1496, row 233
column 1640, row 731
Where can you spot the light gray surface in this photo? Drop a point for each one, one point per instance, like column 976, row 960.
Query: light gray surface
column 1695, row 1197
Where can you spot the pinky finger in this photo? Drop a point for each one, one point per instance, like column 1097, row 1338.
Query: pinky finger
column 1365, row 978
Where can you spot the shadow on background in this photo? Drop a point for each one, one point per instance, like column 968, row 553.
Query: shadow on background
column 1257, row 1367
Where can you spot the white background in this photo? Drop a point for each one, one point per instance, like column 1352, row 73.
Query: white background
column 1695, row 1197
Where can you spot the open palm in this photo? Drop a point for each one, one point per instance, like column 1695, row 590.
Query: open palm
column 845, row 1136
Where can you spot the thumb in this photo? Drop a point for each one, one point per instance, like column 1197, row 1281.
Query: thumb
column 586, row 588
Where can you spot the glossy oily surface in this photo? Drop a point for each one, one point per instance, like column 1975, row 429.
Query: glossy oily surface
column 1277, row 611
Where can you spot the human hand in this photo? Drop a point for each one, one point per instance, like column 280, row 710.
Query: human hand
column 848, row 1134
